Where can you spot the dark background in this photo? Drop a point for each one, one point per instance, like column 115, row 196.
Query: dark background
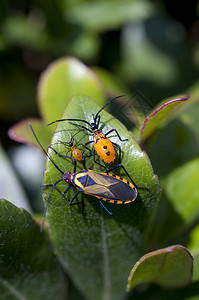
column 34, row 33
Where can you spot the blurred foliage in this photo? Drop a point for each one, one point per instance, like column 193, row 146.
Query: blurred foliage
column 148, row 45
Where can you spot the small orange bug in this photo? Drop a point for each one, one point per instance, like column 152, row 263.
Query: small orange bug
column 76, row 152
column 103, row 147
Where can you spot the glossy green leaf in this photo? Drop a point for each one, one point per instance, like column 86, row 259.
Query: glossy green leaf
column 182, row 190
column 157, row 292
column 157, row 116
column 21, row 132
column 170, row 267
column 28, row 267
column 62, row 80
column 105, row 15
column 95, row 248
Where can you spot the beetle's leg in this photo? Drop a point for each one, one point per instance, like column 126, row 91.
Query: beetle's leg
column 121, row 166
column 65, row 156
column 81, row 126
column 97, row 161
column 80, row 144
column 120, row 151
column 81, row 202
column 70, row 202
column 108, row 211
column 47, row 203
column 61, row 155
column 87, row 144
column 112, row 130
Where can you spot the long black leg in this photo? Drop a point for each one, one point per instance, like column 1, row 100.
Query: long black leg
column 63, row 193
column 86, row 149
column 81, row 126
column 85, row 146
column 88, row 144
column 81, row 202
column 83, row 160
column 84, row 163
column 70, row 202
column 65, row 156
column 54, row 187
column 47, row 203
column 121, row 166
column 120, row 151
column 114, row 130
column 97, row 161
column 59, row 154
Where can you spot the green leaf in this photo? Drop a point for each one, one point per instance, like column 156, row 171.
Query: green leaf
column 28, row 267
column 170, row 267
column 157, row 116
column 21, row 132
column 95, row 248
column 62, row 80
column 182, row 190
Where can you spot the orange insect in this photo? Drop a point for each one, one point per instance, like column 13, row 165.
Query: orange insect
column 103, row 147
column 76, row 152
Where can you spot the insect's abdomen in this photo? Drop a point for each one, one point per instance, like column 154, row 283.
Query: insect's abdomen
column 105, row 150
column 77, row 154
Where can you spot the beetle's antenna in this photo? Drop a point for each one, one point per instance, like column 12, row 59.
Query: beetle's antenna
column 61, row 120
column 106, row 105
column 44, row 149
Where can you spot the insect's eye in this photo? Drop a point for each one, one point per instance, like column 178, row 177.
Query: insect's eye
column 70, row 144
